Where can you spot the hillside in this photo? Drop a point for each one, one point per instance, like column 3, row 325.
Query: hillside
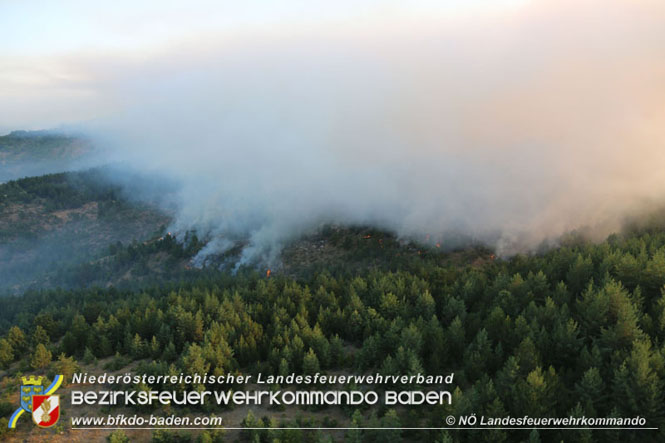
column 79, row 229
column 575, row 330
column 53, row 222
column 30, row 153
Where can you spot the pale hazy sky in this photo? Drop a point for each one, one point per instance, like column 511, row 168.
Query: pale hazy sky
column 45, row 27
column 44, row 43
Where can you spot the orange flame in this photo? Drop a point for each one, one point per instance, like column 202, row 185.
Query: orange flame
column 367, row 236
column 268, row 272
column 438, row 245
column 492, row 256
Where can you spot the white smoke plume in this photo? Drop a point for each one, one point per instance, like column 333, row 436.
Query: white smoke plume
column 508, row 127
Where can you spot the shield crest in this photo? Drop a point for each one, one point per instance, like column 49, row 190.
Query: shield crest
column 46, row 410
column 27, row 392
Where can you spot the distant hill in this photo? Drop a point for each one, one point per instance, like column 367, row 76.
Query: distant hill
column 51, row 223
column 30, row 153
column 78, row 229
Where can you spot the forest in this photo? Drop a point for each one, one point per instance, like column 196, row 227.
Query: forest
column 575, row 330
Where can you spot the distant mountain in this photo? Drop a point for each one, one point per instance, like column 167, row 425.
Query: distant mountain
column 30, row 153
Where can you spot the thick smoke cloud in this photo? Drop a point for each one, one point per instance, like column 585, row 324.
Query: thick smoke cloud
column 507, row 128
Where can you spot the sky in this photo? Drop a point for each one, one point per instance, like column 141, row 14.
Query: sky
column 510, row 122
column 44, row 43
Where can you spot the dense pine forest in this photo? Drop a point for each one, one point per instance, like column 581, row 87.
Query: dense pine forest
column 576, row 330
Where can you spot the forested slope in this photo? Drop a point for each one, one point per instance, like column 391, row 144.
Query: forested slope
column 578, row 330
column 52, row 225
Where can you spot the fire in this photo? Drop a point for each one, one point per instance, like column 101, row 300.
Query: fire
column 268, row 272
column 438, row 245
column 492, row 256
column 367, row 236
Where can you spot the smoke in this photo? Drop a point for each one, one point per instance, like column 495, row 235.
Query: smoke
column 509, row 128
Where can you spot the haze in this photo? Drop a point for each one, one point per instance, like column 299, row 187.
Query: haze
column 505, row 122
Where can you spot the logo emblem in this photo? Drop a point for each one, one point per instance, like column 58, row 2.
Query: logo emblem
column 30, row 387
column 46, row 410
column 38, row 401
